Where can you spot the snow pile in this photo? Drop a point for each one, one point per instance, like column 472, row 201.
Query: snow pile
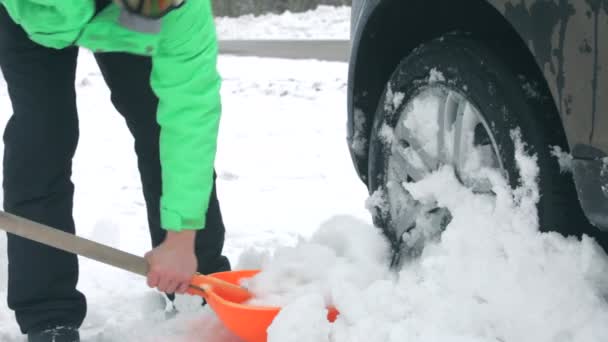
column 564, row 159
column 348, row 250
column 325, row 22
column 491, row 276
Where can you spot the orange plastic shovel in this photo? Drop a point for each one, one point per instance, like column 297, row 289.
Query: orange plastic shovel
column 250, row 323
column 222, row 291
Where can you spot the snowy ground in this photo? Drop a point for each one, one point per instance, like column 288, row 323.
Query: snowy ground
column 287, row 187
column 325, row 22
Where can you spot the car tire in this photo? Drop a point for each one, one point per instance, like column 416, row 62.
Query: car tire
column 506, row 101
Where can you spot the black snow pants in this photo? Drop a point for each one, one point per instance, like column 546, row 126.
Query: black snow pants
column 39, row 142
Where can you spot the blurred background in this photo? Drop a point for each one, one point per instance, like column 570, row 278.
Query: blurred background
column 232, row 8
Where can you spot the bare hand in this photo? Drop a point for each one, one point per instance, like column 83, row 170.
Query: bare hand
column 173, row 263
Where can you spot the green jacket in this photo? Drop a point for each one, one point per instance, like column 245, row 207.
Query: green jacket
column 184, row 77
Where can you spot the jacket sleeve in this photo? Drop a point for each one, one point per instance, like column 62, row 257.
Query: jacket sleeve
column 187, row 83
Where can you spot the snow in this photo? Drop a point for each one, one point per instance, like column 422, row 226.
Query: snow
column 421, row 116
column 350, row 251
column 294, row 206
column 563, row 158
column 377, row 202
column 325, row 22
column 491, row 276
column 393, row 99
column 386, row 134
column 311, row 323
column 359, row 142
column 436, row 76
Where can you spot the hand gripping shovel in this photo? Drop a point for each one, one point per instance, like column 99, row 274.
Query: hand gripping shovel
column 221, row 290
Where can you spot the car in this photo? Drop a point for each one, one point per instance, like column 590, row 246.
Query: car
column 443, row 82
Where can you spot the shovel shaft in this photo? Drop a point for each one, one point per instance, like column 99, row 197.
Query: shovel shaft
column 111, row 256
column 72, row 244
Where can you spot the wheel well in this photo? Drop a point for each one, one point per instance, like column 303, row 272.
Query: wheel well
column 397, row 27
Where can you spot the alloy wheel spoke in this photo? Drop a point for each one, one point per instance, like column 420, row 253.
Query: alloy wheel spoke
column 405, row 134
column 410, row 162
column 459, row 136
column 399, row 171
column 441, row 122
column 447, row 118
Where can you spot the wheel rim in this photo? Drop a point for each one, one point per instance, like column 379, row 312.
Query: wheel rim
column 439, row 126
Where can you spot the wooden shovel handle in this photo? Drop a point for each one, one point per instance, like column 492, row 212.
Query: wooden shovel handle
column 72, row 244
column 90, row 249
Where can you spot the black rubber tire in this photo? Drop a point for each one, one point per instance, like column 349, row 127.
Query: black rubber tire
column 506, row 104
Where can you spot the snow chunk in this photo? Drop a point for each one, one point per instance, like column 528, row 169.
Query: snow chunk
column 563, row 158
column 387, row 135
column 359, row 143
column 349, row 250
column 388, row 101
column 393, row 99
column 377, row 201
column 436, row 76
column 311, row 327
column 528, row 194
column 398, row 99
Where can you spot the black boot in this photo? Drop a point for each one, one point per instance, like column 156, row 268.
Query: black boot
column 57, row 334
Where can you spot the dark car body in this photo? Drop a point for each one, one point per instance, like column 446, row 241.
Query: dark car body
column 562, row 43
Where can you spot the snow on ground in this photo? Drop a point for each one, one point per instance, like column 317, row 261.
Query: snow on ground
column 325, row 22
column 293, row 205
